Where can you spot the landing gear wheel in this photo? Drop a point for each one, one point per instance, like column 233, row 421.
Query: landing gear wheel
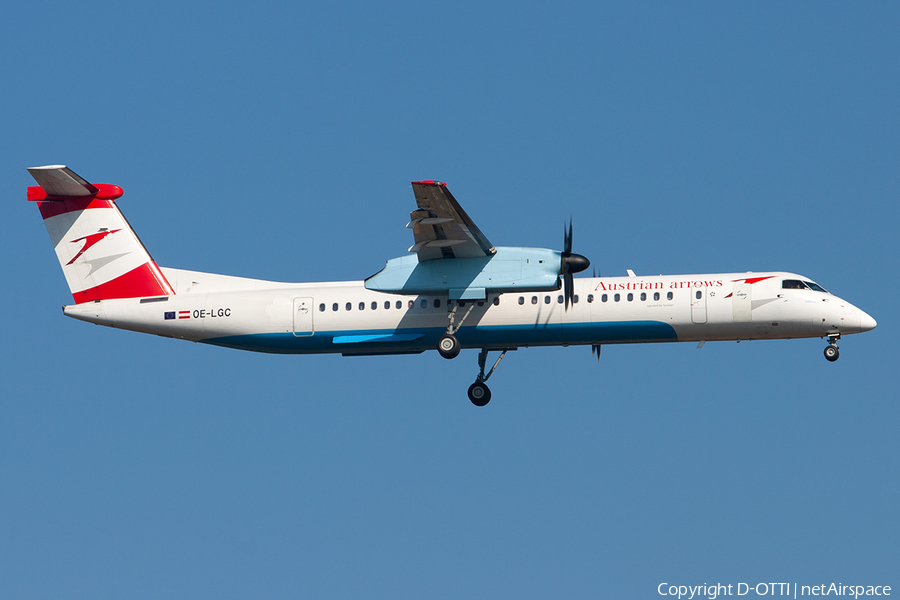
column 832, row 353
column 479, row 394
column 448, row 346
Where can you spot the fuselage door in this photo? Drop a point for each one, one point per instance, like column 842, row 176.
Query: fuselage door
column 698, row 304
column 303, row 316
column 741, row 303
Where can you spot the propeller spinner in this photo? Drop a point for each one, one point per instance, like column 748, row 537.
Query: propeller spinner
column 569, row 265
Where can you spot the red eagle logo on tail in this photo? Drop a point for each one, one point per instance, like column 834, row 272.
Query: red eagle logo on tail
column 90, row 240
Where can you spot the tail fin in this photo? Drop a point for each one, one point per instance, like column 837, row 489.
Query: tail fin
column 101, row 256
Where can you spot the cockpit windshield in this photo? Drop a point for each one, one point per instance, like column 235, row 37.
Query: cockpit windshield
column 796, row 284
column 815, row 287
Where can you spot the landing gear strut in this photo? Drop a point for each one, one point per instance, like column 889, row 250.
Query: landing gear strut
column 479, row 392
column 832, row 352
column 448, row 346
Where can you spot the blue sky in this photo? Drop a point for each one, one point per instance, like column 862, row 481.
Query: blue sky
column 277, row 140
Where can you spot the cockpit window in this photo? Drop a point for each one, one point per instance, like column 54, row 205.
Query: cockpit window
column 815, row 287
column 793, row 284
column 796, row 284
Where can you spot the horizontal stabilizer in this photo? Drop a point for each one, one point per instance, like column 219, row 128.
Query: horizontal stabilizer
column 60, row 180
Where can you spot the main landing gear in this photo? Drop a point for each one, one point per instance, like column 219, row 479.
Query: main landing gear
column 448, row 345
column 479, row 392
column 832, row 352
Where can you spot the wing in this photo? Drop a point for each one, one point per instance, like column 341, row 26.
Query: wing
column 442, row 229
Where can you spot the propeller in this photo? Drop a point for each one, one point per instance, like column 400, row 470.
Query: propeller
column 569, row 265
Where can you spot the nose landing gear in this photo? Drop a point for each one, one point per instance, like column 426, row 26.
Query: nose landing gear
column 832, row 352
column 479, row 392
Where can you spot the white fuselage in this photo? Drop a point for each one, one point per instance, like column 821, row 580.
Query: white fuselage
column 347, row 318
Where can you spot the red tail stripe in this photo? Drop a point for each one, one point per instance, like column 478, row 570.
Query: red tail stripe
column 105, row 191
column 158, row 274
column 145, row 280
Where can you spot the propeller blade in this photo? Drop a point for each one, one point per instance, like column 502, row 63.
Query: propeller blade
column 570, row 264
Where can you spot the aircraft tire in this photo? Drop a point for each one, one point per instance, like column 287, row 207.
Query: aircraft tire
column 479, row 394
column 832, row 353
column 448, row 346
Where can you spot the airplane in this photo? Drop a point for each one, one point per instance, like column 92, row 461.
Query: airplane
column 453, row 290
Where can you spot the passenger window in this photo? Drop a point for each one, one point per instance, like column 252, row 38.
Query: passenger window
column 322, row 307
column 670, row 295
column 604, row 297
column 521, row 300
column 334, row 307
column 643, row 296
column 534, row 299
column 575, row 299
column 617, row 297
column 656, row 295
column 362, row 306
column 481, row 303
column 546, row 299
column 630, row 296
column 698, row 295
column 559, row 299
column 399, row 304
column 387, row 304
column 497, row 301
column 437, row 302
column 374, row 305
column 411, row 304
column 590, row 298
column 424, row 303
column 349, row 306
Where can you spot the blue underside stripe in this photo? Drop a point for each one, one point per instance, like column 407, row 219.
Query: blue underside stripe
column 411, row 340
column 376, row 337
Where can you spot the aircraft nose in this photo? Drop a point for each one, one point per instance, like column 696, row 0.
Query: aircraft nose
column 866, row 323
